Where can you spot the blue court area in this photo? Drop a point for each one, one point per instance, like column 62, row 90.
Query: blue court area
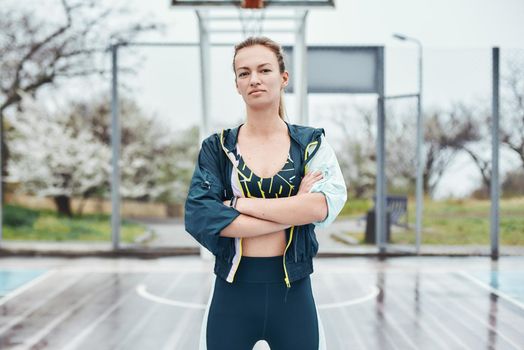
column 506, row 283
column 363, row 303
column 12, row 279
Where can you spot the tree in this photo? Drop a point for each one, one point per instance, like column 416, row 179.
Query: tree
column 512, row 107
column 66, row 153
column 156, row 164
column 37, row 50
column 51, row 159
column 511, row 126
column 445, row 135
column 513, row 183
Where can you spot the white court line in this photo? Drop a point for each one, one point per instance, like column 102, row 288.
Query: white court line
column 388, row 326
column 329, row 285
column 181, row 330
column 142, row 291
column 491, row 289
column 371, row 295
column 146, row 318
column 16, row 292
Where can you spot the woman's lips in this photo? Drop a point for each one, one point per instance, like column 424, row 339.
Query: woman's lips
column 256, row 92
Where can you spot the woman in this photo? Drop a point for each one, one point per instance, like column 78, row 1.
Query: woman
column 258, row 191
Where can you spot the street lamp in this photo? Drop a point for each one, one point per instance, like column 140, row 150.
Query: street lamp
column 420, row 144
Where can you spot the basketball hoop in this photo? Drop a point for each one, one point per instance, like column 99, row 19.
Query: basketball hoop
column 252, row 4
column 251, row 14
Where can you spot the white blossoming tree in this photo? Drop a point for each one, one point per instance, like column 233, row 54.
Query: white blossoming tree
column 51, row 159
column 65, row 154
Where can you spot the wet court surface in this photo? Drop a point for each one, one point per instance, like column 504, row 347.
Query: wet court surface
column 364, row 303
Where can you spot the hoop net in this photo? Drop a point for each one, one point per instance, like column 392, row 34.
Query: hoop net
column 251, row 15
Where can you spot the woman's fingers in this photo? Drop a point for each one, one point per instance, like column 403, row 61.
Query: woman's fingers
column 309, row 180
column 315, row 173
column 312, row 177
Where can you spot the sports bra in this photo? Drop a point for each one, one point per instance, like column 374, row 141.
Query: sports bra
column 245, row 183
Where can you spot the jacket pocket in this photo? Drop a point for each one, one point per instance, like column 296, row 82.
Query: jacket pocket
column 312, row 243
column 302, row 243
column 224, row 247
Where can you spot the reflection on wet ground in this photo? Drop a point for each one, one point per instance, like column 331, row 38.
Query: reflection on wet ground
column 364, row 303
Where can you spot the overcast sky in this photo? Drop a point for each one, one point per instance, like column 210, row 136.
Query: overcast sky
column 457, row 37
column 443, row 23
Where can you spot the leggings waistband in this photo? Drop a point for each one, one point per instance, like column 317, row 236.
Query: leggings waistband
column 261, row 269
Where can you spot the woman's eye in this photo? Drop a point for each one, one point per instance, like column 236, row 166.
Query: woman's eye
column 266, row 70
column 242, row 74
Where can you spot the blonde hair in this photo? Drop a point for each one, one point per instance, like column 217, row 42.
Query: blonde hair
column 279, row 53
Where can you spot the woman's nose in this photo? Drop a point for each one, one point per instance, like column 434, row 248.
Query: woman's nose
column 254, row 79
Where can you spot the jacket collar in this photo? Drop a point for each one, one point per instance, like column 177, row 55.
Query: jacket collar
column 302, row 135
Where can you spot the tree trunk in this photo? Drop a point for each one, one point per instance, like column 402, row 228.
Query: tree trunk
column 63, row 205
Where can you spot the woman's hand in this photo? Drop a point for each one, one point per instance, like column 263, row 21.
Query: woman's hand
column 308, row 181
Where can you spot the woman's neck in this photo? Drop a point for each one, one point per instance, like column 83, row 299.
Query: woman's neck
column 264, row 123
column 264, row 126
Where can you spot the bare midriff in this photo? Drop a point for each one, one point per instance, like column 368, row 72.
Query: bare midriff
column 271, row 244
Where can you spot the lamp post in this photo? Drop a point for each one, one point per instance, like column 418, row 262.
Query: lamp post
column 420, row 144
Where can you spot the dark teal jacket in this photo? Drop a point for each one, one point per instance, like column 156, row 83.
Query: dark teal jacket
column 206, row 215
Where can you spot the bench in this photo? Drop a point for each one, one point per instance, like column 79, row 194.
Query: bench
column 398, row 207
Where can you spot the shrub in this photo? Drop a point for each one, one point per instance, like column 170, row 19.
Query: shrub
column 15, row 216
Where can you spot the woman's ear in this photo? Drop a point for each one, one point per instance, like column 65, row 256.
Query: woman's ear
column 285, row 79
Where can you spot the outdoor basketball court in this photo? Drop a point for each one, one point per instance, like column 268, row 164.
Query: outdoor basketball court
column 364, row 303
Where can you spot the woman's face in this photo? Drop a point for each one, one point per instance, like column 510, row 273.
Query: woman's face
column 258, row 78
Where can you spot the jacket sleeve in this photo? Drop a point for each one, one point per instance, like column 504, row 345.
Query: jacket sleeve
column 332, row 185
column 205, row 214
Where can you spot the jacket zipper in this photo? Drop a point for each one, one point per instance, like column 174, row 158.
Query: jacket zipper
column 286, row 279
column 295, row 246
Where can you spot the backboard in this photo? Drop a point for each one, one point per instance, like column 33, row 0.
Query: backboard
column 253, row 15
column 267, row 3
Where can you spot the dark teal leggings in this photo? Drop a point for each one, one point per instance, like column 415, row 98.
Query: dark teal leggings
column 255, row 307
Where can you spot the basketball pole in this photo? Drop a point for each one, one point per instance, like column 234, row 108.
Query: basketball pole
column 205, row 64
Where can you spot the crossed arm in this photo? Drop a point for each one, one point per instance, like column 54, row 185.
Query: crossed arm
column 259, row 216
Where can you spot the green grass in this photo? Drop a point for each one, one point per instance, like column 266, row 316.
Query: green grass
column 454, row 222
column 45, row 225
column 355, row 208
